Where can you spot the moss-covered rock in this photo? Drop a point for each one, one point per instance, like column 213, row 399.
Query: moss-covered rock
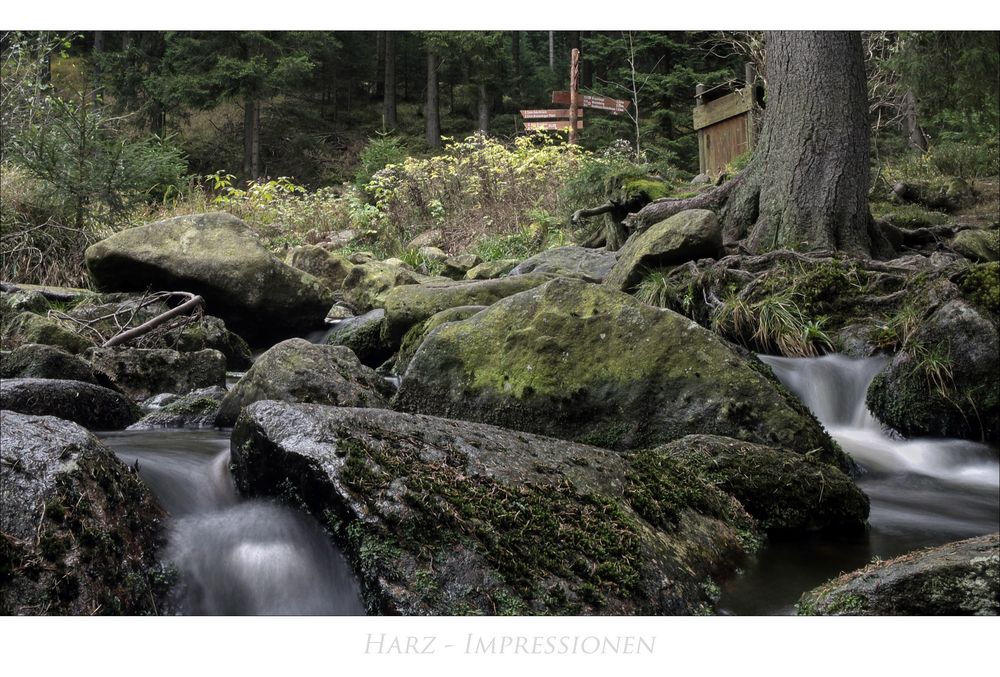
column 584, row 362
column 20, row 301
column 364, row 336
column 956, row 579
column 947, row 193
column 366, row 286
column 978, row 244
column 449, row 517
column 210, row 333
column 197, row 409
column 317, row 261
column 416, row 335
column 28, row 327
column 298, row 371
column 408, row 306
column 489, row 270
column 458, row 265
column 34, row 360
column 80, row 530
column 687, row 236
column 944, row 383
column 143, row 372
column 592, row 265
column 217, row 256
column 89, row 405
column 783, row 492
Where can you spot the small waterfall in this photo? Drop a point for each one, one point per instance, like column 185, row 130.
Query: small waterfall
column 235, row 557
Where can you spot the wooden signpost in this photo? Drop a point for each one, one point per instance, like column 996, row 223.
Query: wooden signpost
column 571, row 118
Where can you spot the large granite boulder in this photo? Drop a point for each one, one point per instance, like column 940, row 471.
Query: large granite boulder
column 489, row 270
column 449, row 517
column 366, row 286
column 407, row 306
column 327, row 266
column 35, row 360
column 688, row 236
column 592, row 265
column 944, row 384
column 197, row 409
column 89, row 405
column 416, row 335
column 956, row 579
column 217, row 256
column 81, row 531
column 584, row 362
column 28, row 327
column 363, row 335
column 783, row 492
column 981, row 245
column 142, row 372
column 298, row 371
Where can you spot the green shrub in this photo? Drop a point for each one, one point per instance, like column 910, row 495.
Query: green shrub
column 380, row 151
column 966, row 160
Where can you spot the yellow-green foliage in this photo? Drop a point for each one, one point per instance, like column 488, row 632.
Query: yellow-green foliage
column 476, row 187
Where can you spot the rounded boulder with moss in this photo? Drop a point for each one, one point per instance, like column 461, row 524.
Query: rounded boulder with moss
column 587, row 363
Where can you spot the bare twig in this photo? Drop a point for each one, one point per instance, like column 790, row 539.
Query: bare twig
column 192, row 303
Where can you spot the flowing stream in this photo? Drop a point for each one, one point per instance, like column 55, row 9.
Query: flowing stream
column 923, row 492
column 234, row 556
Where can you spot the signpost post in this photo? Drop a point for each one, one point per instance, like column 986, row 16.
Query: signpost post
column 571, row 117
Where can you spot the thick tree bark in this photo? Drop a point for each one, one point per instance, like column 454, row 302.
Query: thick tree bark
column 515, row 55
column 915, row 137
column 389, row 97
column 433, row 135
column 807, row 185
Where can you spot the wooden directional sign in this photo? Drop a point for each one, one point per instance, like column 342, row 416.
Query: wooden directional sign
column 590, row 101
column 548, row 113
column 552, row 124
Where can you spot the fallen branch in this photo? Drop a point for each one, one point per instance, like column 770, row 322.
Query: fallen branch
column 193, row 302
column 593, row 211
column 665, row 207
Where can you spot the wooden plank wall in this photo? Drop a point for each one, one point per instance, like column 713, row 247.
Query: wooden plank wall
column 723, row 141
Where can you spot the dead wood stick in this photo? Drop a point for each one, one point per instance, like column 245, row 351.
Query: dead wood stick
column 144, row 328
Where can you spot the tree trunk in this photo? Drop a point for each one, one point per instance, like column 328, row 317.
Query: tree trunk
column 515, row 55
column 433, row 135
column 380, row 37
column 251, row 138
column 389, row 98
column 807, row 185
column 98, row 56
column 552, row 51
column 587, row 67
column 484, row 110
column 915, row 137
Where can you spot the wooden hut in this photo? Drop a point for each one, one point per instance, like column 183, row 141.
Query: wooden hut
column 724, row 119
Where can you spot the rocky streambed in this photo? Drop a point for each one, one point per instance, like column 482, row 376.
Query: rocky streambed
column 555, row 445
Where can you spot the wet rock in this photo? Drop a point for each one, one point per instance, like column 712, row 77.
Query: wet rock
column 34, row 360
column 366, row 286
column 329, row 267
column 489, row 270
column 416, row 335
column 592, row 265
column 363, row 335
column 584, row 362
column 298, row 371
column 407, row 306
column 142, row 372
column 957, row 579
column 944, row 383
column 197, row 409
column 448, row 517
column 783, row 492
column 217, row 256
column 688, row 236
column 30, row 328
column 80, row 530
column 89, row 405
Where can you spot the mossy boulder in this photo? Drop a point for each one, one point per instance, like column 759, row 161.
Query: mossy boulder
column 980, row 245
column 197, row 409
column 35, row 360
column 143, row 372
column 458, row 265
column 211, row 333
column 416, row 335
column 584, row 362
column 217, row 256
column 81, row 532
column 89, row 405
column 688, row 236
column 298, row 371
column 947, row 193
column 329, row 267
column 944, row 383
column 488, row 270
column 450, row 517
column 592, row 265
column 784, row 492
column 366, row 286
column 956, row 579
column 408, row 306
column 20, row 301
column 28, row 327
column 363, row 335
